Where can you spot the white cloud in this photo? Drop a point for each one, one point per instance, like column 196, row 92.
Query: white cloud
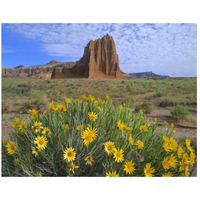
column 141, row 47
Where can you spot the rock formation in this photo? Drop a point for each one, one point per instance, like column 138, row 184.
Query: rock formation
column 100, row 60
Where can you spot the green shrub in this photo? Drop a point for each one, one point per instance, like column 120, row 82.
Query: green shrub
column 167, row 101
column 147, row 107
column 54, row 144
column 179, row 113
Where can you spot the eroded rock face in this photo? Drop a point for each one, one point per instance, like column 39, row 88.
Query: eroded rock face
column 100, row 60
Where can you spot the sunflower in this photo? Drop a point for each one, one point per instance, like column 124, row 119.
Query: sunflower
column 33, row 113
column 128, row 128
column 107, row 96
column 11, row 147
column 172, row 161
column 187, row 143
column 167, row 124
column 35, row 150
column 101, row 101
column 185, row 158
column 67, row 100
column 166, row 139
column 180, row 151
column 46, row 131
column 130, row 139
column 181, row 166
column 192, row 158
column 143, row 128
column 69, row 154
column 16, row 120
column 99, row 109
column 89, row 160
column 113, row 174
column 148, row 170
column 187, row 173
column 168, row 174
column 129, row 167
column 165, row 163
column 172, row 125
column 37, row 126
column 89, row 135
column 73, row 166
column 173, row 144
column 65, row 126
column 109, row 147
column 166, row 147
column 22, row 126
column 120, row 125
column 79, row 128
column 118, row 155
column 91, row 97
column 92, row 116
column 84, row 97
column 140, row 144
column 41, row 141
column 62, row 108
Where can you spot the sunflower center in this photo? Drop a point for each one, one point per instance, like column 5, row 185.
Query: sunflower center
column 69, row 154
column 109, row 148
column 41, row 142
column 12, row 147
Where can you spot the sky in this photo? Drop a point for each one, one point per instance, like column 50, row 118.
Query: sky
column 166, row 49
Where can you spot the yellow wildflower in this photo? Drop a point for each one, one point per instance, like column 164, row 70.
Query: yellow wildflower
column 91, row 97
column 118, row 155
column 172, row 125
column 37, row 126
column 148, row 170
column 92, row 116
column 143, row 128
column 22, row 126
column 130, row 139
column 67, row 100
column 187, row 173
column 89, row 160
column 140, row 144
column 16, row 120
column 41, row 142
column 69, row 154
column 166, row 147
column 73, row 167
column 46, row 131
column 45, row 112
column 129, row 167
column 187, row 143
column 165, row 163
column 166, row 139
column 109, row 147
column 80, row 127
column 35, row 150
column 107, row 96
column 168, row 174
column 89, row 135
column 128, row 128
column 120, row 107
column 180, row 151
column 101, row 101
column 4, row 141
column 173, row 144
column 120, row 125
column 166, row 123
column 192, row 158
column 11, row 147
column 99, row 109
column 65, row 126
column 113, row 174
column 172, row 161
column 33, row 113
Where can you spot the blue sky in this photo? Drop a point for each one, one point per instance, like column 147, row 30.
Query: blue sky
column 166, row 49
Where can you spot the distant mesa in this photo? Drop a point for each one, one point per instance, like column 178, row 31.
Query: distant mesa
column 147, row 74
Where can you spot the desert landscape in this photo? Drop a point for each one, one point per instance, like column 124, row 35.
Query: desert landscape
column 168, row 103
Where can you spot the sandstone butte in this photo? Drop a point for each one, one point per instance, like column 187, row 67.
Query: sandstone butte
column 99, row 61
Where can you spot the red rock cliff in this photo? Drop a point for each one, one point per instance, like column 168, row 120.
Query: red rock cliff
column 100, row 60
